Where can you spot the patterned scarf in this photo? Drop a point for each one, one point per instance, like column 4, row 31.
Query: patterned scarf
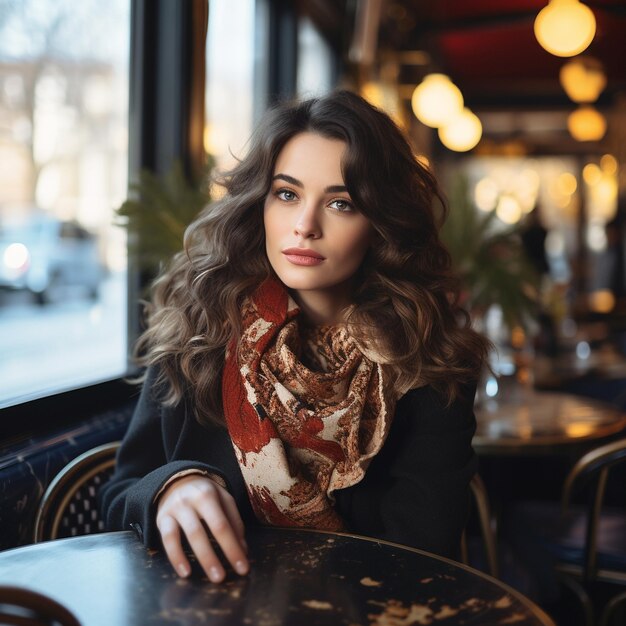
column 305, row 409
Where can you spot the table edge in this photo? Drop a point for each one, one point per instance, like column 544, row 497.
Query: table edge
column 527, row 602
column 534, row 608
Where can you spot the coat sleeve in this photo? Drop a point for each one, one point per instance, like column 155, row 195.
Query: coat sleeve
column 144, row 464
column 416, row 490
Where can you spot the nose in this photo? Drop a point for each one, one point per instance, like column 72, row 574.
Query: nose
column 307, row 224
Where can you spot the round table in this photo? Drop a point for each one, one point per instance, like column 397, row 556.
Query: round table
column 297, row 577
column 528, row 421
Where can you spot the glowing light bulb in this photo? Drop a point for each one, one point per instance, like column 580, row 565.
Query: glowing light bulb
column 583, row 79
column 608, row 163
column 565, row 27
column 436, row 100
column 462, row 132
column 509, row 209
column 586, row 124
column 592, row 174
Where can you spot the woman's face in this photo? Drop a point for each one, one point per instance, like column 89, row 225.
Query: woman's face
column 314, row 236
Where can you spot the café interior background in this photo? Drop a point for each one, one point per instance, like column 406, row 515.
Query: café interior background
column 530, row 136
column 110, row 110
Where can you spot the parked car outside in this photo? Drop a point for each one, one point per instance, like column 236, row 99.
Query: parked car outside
column 49, row 257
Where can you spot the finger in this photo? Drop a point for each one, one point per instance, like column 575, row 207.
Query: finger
column 223, row 532
column 232, row 512
column 170, row 537
column 200, row 544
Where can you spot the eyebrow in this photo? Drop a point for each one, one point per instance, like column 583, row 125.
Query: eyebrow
column 297, row 183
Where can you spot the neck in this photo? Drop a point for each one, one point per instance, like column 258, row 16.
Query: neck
column 322, row 308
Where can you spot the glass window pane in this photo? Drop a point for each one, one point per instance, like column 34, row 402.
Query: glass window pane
column 63, row 147
column 230, row 79
column 315, row 61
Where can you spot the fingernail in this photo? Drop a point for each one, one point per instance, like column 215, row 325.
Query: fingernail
column 241, row 567
column 183, row 570
column 215, row 575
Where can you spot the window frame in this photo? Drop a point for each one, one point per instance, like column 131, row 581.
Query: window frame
column 276, row 34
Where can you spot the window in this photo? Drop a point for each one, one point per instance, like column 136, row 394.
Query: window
column 315, row 61
column 229, row 85
column 63, row 145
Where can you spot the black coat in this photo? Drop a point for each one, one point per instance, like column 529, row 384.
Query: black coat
column 415, row 491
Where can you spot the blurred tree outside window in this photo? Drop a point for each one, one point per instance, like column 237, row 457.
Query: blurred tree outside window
column 63, row 147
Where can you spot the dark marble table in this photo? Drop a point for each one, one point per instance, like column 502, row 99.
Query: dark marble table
column 297, row 578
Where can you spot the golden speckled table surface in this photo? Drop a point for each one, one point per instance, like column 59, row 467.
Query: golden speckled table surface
column 297, row 577
column 525, row 421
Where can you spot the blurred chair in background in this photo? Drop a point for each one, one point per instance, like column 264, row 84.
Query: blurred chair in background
column 24, row 606
column 585, row 544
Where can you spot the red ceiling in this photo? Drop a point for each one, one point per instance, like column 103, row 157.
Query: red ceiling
column 488, row 46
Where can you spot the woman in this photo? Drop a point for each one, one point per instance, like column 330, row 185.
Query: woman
column 308, row 362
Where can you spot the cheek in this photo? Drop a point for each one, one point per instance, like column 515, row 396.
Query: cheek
column 266, row 220
column 361, row 241
column 275, row 221
column 270, row 223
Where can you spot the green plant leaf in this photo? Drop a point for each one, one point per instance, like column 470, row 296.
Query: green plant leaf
column 490, row 260
column 157, row 212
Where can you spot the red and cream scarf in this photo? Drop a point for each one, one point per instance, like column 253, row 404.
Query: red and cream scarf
column 305, row 409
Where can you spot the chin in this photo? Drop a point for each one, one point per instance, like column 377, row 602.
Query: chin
column 302, row 284
column 311, row 278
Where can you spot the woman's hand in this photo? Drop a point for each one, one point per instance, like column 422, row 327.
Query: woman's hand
column 184, row 505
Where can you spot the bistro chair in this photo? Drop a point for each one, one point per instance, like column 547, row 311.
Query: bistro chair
column 480, row 500
column 586, row 543
column 69, row 506
column 19, row 606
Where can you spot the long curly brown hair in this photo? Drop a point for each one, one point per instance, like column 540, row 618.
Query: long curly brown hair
column 405, row 303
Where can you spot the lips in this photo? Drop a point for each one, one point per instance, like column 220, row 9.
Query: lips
column 303, row 256
column 303, row 252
